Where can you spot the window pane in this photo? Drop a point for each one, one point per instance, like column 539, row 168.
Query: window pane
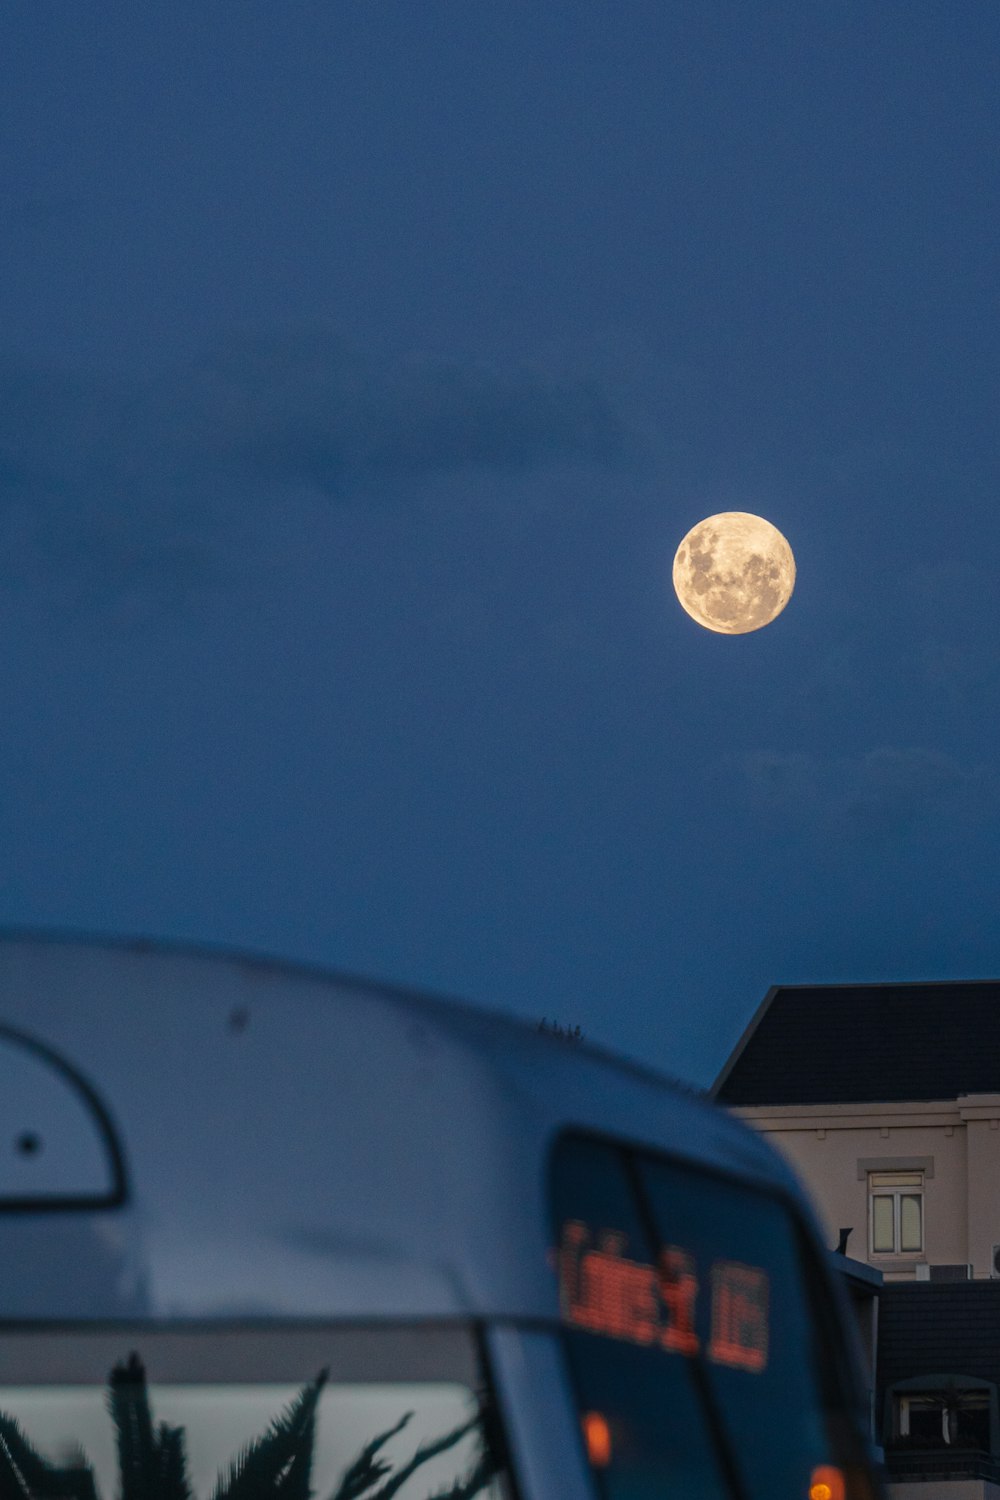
column 683, row 1349
column 895, row 1179
column 754, row 1320
column 882, row 1231
column 93, row 1440
column 927, row 1424
column 930, row 1421
column 629, row 1383
column 910, row 1237
column 973, row 1424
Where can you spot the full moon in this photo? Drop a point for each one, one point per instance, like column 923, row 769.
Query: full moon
column 734, row 572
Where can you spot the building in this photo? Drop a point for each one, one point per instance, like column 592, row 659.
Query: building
column 886, row 1100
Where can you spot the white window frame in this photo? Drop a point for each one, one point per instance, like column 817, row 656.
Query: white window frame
column 962, row 1399
column 896, row 1186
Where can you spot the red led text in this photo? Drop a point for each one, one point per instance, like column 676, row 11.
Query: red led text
column 605, row 1291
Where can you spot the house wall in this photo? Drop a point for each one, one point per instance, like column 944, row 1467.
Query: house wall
column 983, row 1130
column 955, row 1142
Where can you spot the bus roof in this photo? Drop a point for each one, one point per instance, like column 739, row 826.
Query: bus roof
column 201, row 1135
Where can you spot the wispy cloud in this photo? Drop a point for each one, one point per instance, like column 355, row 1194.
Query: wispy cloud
column 886, row 793
column 304, row 409
column 131, row 478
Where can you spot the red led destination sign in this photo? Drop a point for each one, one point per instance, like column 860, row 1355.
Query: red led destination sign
column 604, row 1291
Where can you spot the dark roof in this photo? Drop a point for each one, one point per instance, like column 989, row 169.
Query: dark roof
column 937, row 1328
column 867, row 1043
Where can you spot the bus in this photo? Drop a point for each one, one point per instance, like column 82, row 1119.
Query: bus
column 267, row 1231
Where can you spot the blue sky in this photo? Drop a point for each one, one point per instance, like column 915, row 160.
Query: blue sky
column 363, row 365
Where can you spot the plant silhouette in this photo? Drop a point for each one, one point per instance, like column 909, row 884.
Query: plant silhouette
column 553, row 1028
column 152, row 1461
column 24, row 1474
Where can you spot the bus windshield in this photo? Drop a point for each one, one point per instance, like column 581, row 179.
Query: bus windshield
column 691, row 1335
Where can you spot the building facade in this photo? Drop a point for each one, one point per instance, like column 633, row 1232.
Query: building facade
column 886, row 1101
column 916, row 1183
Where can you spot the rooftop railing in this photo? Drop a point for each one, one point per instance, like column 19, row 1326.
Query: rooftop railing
column 935, row 1463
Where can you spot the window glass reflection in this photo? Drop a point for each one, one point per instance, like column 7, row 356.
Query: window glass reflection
column 693, row 1334
column 243, row 1441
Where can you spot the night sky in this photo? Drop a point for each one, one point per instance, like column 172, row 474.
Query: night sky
column 363, row 364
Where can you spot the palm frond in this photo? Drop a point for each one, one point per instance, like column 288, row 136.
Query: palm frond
column 366, row 1470
column 279, row 1464
column 172, row 1479
column 475, row 1481
column 128, row 1404
column 428, row 1451
column 152, row 1465
column 23, row 1471
column 25, row 1475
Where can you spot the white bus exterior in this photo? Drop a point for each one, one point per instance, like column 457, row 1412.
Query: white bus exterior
column 232, row 1189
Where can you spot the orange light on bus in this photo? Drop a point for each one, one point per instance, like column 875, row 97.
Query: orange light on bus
column 826, row 1483
column 597, row 1436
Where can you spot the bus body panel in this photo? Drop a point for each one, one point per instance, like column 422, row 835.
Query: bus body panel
column 225, row 1169
column 298, row 1145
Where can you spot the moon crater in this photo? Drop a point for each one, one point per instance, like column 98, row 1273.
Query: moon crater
column 734, row 572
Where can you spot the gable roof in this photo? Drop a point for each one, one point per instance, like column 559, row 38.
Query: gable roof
column 862, row 1043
